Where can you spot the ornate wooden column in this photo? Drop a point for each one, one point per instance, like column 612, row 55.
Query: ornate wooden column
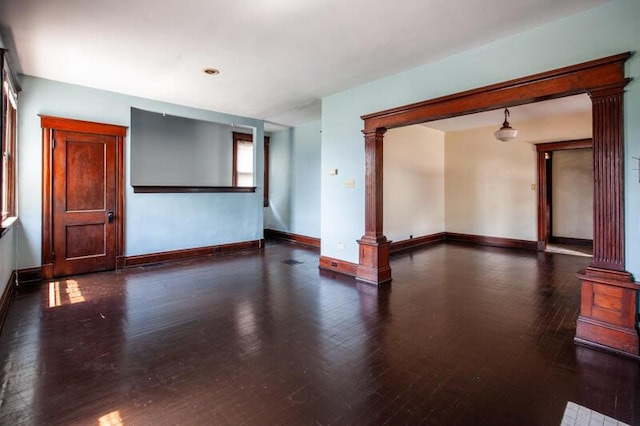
column 608, row 312
column 373, row 264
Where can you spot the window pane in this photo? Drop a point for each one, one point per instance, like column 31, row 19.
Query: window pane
column 245, row 179
column 245, row 157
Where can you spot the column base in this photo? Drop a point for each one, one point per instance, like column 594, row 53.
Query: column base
column 608, row 311
column 373, row 266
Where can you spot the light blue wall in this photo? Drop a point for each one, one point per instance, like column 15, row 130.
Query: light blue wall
column 154, row 222
column 278, row 215
column 294, row 185
column 7, row 258
column 599, row 32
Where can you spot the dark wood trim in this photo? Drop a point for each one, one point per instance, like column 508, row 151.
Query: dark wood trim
column 234, row 157
column 7, row 295
column 176, row 255
column 608, row 311
column 608, row 176
column 339, row 266
column 238, row 136
column 602, row 79
column 544, row 196
column 155, row 189
column 47, row 203
column 272, row 234
column 267, row 141
column 492, row 241
column 8, row 139
column 417, row 242
column 567, row 81
column 47, row 271
column 564, row 145
column 583, row 242
column 545, row 180
column 373, row 259
column 588, row 77
column 48, row 125
column 29, row 275
column 71, row 125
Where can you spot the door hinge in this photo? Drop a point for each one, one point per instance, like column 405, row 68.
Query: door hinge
column 53, row 143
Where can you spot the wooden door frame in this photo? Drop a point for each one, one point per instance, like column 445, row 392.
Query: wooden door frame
column 608, row 311
column 544, row 207
column 49, row 124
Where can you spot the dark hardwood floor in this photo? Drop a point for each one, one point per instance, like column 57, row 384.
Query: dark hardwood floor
column 463, row 336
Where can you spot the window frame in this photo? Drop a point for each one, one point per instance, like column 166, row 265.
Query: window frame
column 8, row 145
column 246, row 137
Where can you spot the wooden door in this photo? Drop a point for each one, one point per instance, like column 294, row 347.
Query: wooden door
column 82, row 197
column 84, row 202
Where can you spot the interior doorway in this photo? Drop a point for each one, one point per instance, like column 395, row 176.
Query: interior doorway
column 565, row 197
column 83, row 197
column 608, row 312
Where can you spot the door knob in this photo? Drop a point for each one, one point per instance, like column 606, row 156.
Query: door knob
column 110, row 216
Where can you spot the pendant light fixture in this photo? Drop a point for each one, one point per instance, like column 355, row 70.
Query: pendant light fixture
column 506, row 132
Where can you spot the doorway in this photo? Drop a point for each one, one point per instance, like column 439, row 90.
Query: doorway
column 83, row 197
column 608, row 313
column 565, row 197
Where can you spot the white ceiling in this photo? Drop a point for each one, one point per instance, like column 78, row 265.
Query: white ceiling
column 277, row 58
column 517, row 114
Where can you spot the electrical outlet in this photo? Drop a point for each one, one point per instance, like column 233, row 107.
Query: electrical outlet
column 340, row 246
column 533, row 186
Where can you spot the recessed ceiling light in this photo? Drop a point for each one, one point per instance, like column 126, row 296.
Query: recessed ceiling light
column 211, row 71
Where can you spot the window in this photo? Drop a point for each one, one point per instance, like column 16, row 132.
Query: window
column 9, row 115
column 242, row 159
column 243, row 162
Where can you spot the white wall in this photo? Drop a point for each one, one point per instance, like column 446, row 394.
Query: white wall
column 488, row 183
column 154, row 222
column 413, row 182
column 294, row 180
column 572, row 193
column 602, row 31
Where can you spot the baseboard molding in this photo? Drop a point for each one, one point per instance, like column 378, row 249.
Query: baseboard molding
column 176, row 255
column 492, row 241
column 29, row 275
column 7, row 294
column 273, row 234
column 572, row 241
column 413, row 243
column 351, row 269
column 339, row 266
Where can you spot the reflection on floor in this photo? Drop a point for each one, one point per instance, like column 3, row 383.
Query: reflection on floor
column 574, row 250
column 463, row 336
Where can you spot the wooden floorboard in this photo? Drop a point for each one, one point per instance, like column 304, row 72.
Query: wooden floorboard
column 463, row 336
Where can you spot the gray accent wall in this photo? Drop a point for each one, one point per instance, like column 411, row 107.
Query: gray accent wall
column 179, row 151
